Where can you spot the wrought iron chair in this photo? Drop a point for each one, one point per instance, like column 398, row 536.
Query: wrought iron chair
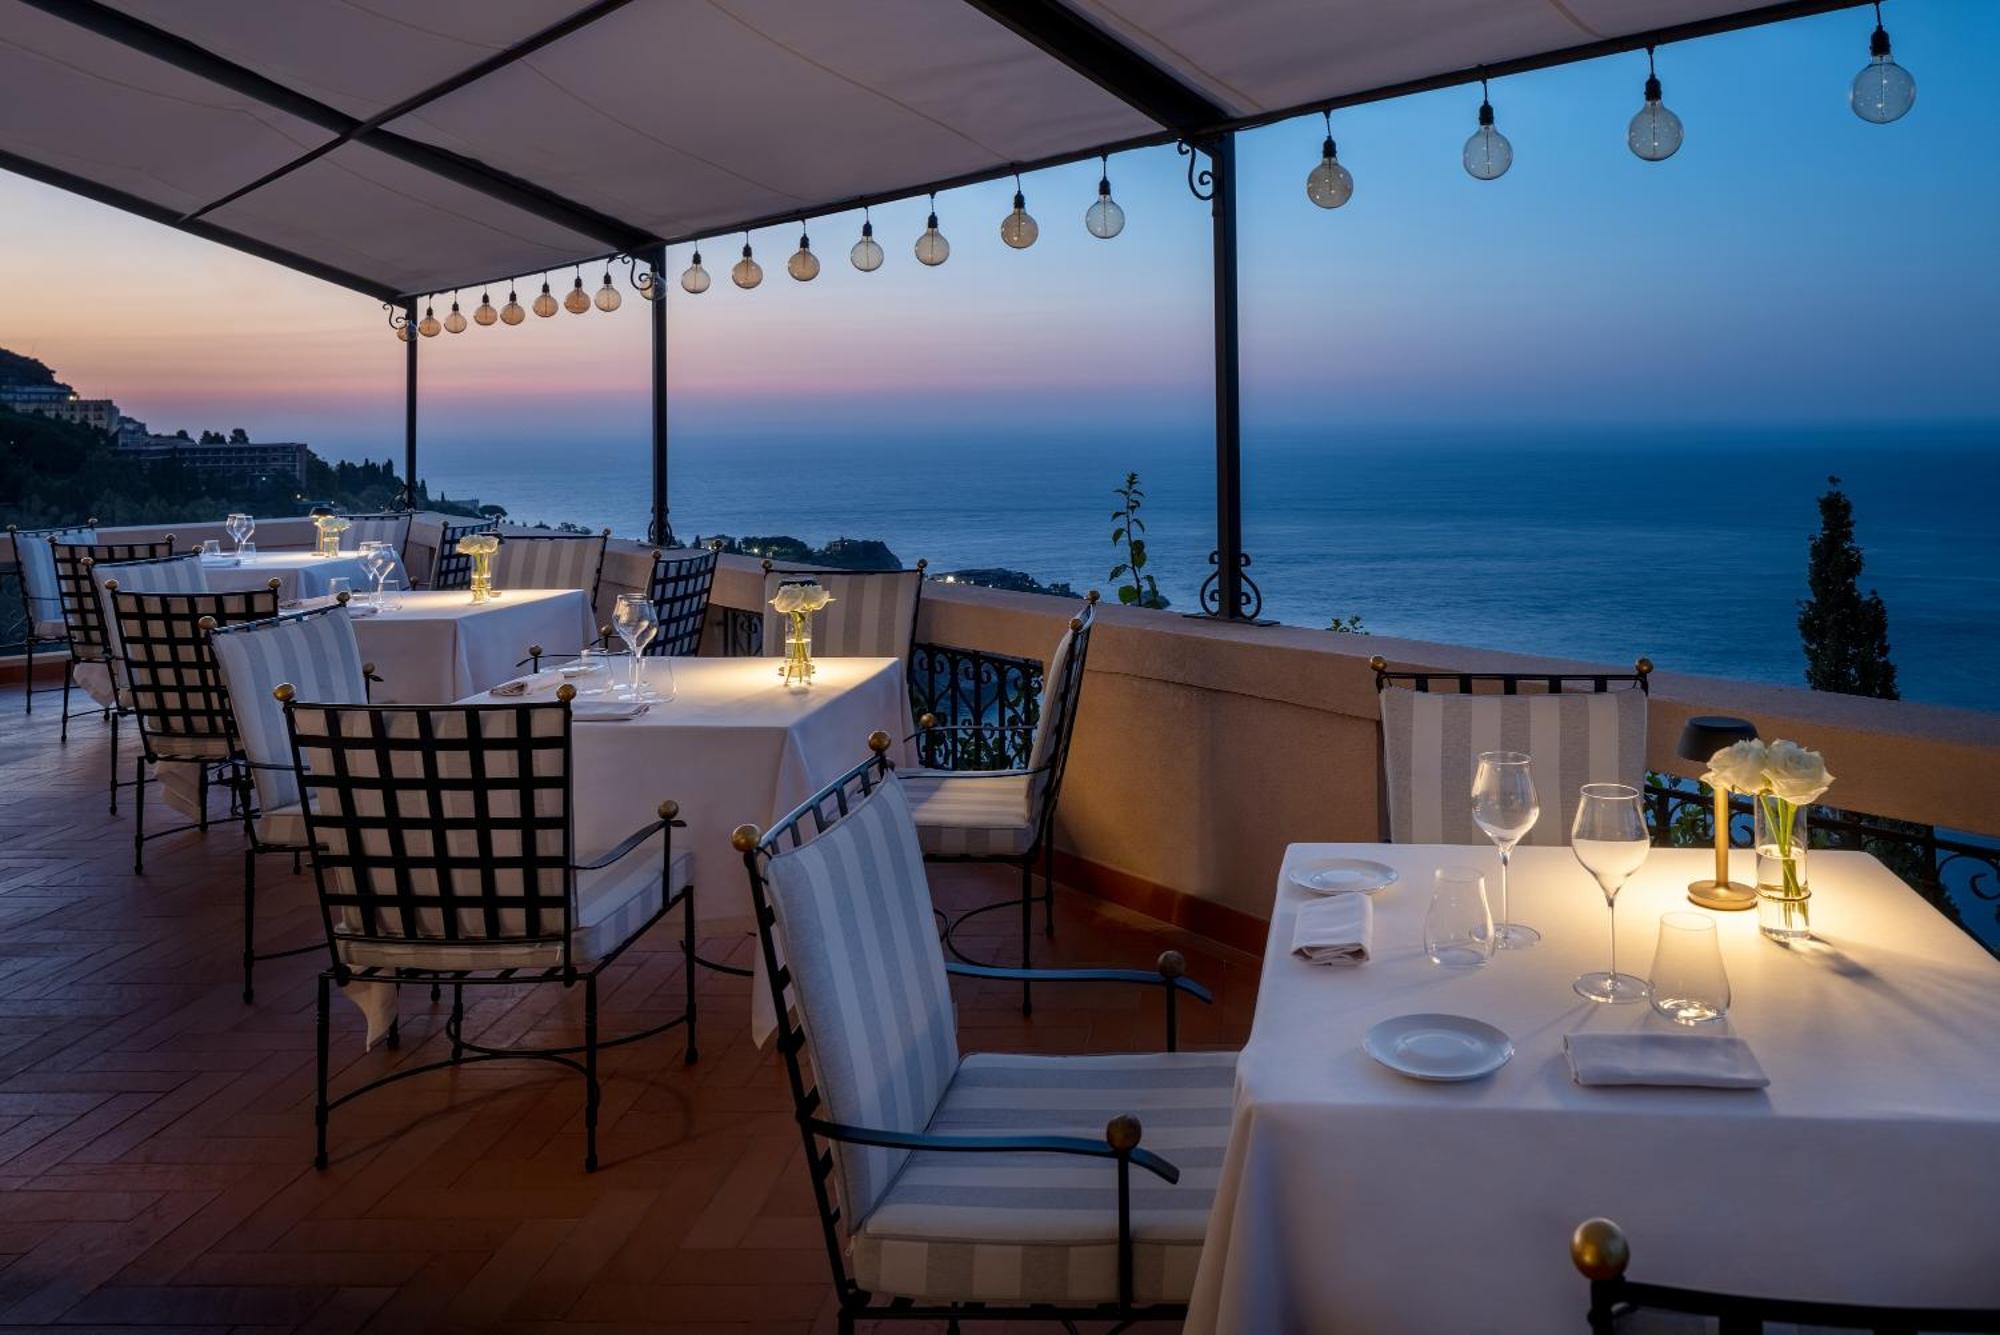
column 1006, row 814
column 94, row 662
column 1580, row 727
column 317, row 653
column 1600, row 1253
column 873, row 613
column 954, row 1188
column 390, row 526
column 551, row 561
column 41, row 600
column 177, row 692
column 679, row 589
column 451, row 568
column 442, row 852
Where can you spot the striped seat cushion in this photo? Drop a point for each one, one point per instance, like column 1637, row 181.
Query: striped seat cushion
column 1432, row 741
column 612, row 903
column 873, row 613
column 318, row 655
column 548, row 563
column 1023, row 1227
column 966, row 814
column 393, row 529
column 38, row 577
column 853, row 918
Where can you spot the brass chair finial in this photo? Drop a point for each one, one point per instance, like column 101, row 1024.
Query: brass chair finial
column 274, row 584
column 744, row 838
column 1599, row 1249
column 565, row 693
column 1378, row 663
column 283, row 693
column 878, row 741
column 1644, row 666
column 1092, row 596
column 1172, row 964
column 534, row 651
column 111, row 586
column 205, row 625
column 670, row 810
column 922, row 565
column 1122, row 1133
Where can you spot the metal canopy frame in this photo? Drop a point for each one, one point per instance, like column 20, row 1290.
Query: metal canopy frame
column 1188, row 115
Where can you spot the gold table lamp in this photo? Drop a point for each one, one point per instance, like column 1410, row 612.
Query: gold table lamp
column 1703, row 736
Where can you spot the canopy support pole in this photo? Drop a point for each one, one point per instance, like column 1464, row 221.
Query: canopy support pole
column 410, row 407
column 1228, row 594
column 661, row 532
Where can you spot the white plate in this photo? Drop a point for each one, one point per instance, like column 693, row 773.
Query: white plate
column 1438, row 1047
column 1337, row 876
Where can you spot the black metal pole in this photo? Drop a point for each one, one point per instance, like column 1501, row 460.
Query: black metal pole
column 410, row 407
column 661, row 533
column 1230, row 603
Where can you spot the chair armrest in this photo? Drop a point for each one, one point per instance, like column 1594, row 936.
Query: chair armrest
column 924, row 1140
column 669, row 818
column 1178, row 982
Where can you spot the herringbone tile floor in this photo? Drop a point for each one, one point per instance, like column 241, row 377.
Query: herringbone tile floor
column 156, row 1133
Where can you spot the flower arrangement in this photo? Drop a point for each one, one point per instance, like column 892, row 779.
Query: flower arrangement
column 797, row 600
column 330, row 527
column 1782, row 779
column 481, row 547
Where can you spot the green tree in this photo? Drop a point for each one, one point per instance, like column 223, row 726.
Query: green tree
column 1846, row 634
column 1144, row 590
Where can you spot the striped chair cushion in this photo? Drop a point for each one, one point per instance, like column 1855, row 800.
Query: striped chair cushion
column 548, row 563
column 1432, row 741
column 173, row 574
column 393, row 529
column 1013, row 1228
column 966, row 814
column 873, row 613
column 38, row 577
column 853, row 918
column 318, row 655
column 1049, row 723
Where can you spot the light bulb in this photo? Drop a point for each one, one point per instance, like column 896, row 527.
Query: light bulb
column 607, row 296
column 545, row 304
column 1018, row 229
column 1104, row 219
column 747, row 273
column 578, row 300
column 1884, row 91
column 404, row 333
column 932, row 248
column 652, row 284
column 694, row 279
column 1488, row 155
column 512, row 313
column 867, row 253
column 429, row 325
column 455, row 322
column 1329, row 185
column 1655, row 132
column 485, row 315
column 803, row 265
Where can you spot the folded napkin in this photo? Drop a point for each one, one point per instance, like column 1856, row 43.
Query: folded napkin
column 540, row 681
column 607, row 711
column 1334, row 930
column 1707, row 1061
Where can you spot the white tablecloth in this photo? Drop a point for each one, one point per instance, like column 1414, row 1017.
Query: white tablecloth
column 299, row 574
column 1354, row 1199
column 441, row 647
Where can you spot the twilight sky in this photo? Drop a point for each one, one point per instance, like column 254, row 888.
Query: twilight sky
column 1791, row 264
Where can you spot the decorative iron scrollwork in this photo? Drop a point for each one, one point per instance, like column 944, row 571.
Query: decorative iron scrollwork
column 1249, row 598
column 987, row 705
column 399, row 318
column 1201, row 184
column 641, row 279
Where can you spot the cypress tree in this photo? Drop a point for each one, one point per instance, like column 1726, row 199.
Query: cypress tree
column 1846, row 635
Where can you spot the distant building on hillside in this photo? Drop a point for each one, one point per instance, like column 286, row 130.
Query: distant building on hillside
column 267, row 460
column 61, row 402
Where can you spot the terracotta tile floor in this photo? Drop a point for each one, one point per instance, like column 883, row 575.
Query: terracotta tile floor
column 156, row 1133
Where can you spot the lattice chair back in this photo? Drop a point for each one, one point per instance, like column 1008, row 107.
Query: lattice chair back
column 873, row 613
column 679, row 590
column 316, row 653
column 452, row 569
column 442, row 831
column 1062, row 687
column 851, row 948
column 177, row 691
column 1582, row 728
column 169, row 574
column 41, row 595
column 82, row 603
column 392, row 527
column 551, row 561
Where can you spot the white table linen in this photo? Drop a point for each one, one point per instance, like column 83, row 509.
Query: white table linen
column 440, row 646
column 1353, row 1199
column 299, row 574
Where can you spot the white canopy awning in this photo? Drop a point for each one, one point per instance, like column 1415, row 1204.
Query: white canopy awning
column 407, row 148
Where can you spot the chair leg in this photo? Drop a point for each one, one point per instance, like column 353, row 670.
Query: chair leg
column 457, row 1020
column 1049, row 888
column 201, row 795
column 590, row 1074
column 1027, row 930
column 138, row 811
column 249, row 924
column 320, row 1111
column 69, row 675
column 687, row 967
column 30, row 692
column 112, row 715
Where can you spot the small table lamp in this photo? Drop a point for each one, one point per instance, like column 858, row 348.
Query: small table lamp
column 1703, row 736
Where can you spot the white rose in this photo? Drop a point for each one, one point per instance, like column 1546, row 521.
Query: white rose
column 816, row 597
column 1794, row 773
column 790, row 598
column 1739, row 767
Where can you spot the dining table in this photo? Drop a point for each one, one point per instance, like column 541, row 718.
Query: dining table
column 437, row 645
column 1355, row 1198
column 299, row 574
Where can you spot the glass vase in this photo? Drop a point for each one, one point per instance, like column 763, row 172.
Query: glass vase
column 797, row 671
column 1784, row 895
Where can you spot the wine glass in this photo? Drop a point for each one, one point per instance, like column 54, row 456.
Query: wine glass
column 239, row 526
column 378, row 559
column 1504, row 805
column 637, row 624
column 1609, row 839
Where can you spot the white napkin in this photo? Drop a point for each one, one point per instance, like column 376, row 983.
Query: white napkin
column 607, row 711
column 1336, row 929
column 540, row 681
column 1707, row 1061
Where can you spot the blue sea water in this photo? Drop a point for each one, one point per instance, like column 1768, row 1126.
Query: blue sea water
column 1687, row 546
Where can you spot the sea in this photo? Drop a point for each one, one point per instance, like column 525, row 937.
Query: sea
column 1687, row 546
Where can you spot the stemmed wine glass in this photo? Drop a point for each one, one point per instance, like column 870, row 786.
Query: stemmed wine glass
column 240, row 527
column 1504, row 805
column 378, row 559
column 637, row 624
column 1609, row 839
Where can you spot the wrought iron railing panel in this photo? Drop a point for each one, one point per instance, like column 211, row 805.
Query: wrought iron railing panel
column 971, row 687
column 1957, row 875
column 742, row 632
column 13, row 617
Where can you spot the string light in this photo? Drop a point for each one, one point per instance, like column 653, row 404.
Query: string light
column 429, row 326
column 1018, row 229
column 803, row 265
column 694, row 279
column 455, row 322
column 932, row 248
column 1655, row 132
column 607, row 295
column 1884, row 91
column 747, row 273
column 545, row 304
column 1329, row 185
column 1104, row 219
column 1488, row 155
column 511, row 313
column 578, row 300
column 867, row 253
column 485, row 315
